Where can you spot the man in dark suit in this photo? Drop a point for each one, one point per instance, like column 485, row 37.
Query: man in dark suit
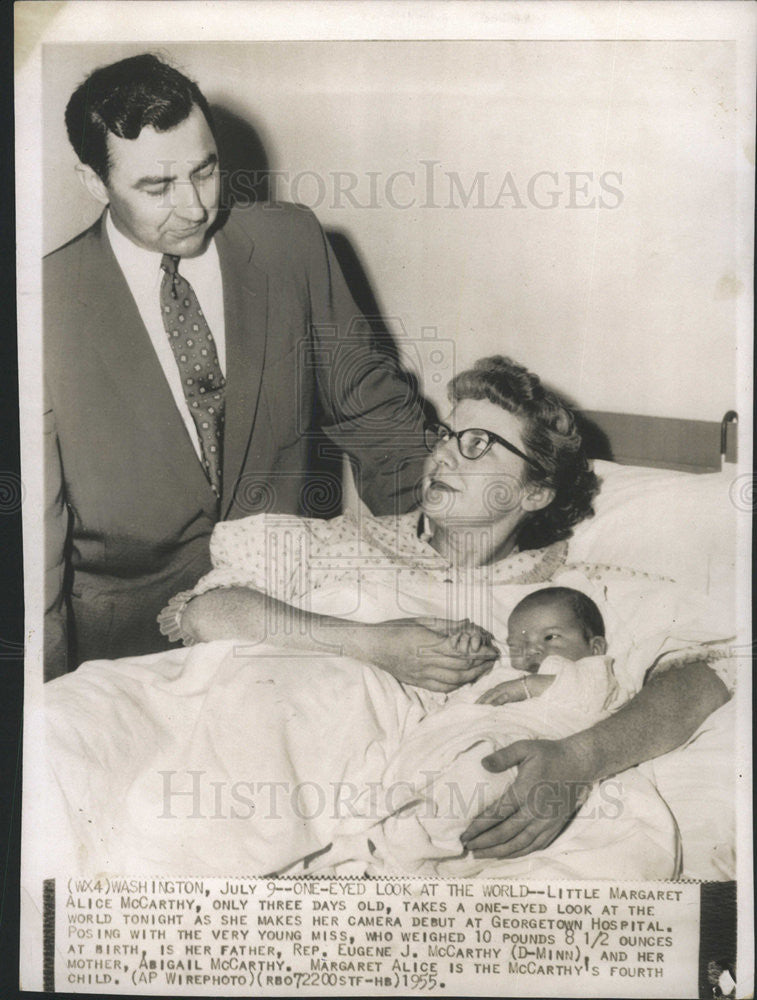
column 190, row 369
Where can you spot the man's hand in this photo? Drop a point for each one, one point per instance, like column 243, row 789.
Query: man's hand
column 554, row 776
column 431, row 653
column 527, row 686
column 550, row 786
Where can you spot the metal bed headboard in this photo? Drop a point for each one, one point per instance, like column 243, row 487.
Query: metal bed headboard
column 661, row 442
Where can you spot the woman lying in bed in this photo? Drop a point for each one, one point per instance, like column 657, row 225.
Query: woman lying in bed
column 505, row 480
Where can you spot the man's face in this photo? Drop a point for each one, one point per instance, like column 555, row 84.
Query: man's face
column 163, row 187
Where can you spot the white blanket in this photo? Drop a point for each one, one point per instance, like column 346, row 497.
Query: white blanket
column 434, row 784
column 215, row 761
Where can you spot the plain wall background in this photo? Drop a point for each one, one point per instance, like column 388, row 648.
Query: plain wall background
column 629, row 308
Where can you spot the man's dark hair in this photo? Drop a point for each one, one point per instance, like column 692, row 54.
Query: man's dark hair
column 586, row 613
column 550, row 438
column 124, row 98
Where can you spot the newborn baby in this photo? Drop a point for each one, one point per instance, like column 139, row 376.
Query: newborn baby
column 560, row 682
column 555, row 621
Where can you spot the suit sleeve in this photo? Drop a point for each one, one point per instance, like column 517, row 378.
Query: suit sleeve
column 373, row 407
column 56, row 535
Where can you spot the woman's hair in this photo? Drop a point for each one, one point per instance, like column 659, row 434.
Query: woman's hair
column 124, row 98
column 550, row 438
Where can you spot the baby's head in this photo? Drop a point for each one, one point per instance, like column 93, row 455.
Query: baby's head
column 554, row 620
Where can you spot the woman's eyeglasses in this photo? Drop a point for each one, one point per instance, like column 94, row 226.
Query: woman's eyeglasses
column 473, row 442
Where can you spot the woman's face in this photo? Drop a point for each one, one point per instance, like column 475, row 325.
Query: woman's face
column 485, row 491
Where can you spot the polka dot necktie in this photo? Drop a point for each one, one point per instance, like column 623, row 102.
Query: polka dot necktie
column 196, row 355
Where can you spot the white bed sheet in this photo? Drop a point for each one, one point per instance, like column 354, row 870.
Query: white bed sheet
column 211, row 762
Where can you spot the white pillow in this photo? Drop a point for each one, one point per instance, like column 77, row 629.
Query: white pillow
column 680, row 525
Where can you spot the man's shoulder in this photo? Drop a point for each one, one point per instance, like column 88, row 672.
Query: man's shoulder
column 60, row 260
column 270, row 213
column 72, row 275
column 273, row 224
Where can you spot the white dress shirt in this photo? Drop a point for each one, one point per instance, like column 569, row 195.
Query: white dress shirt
column 144, row 275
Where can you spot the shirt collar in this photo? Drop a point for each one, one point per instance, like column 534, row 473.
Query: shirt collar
column 136, row 262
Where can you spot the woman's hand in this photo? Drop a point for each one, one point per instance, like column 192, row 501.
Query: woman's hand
column 527, row 686
column 465, row 637
column 431, row 653
column 552, row 783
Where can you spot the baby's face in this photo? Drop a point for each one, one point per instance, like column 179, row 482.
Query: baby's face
column 538, row 630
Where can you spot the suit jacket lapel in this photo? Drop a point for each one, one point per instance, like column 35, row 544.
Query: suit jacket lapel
column 245, row 299
column 119, row 336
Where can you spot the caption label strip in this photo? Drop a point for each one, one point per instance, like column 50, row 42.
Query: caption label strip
column 185, row 936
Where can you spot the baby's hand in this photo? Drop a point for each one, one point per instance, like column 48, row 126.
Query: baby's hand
column 464, row 639
column 471, row 638
column 528, row 686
